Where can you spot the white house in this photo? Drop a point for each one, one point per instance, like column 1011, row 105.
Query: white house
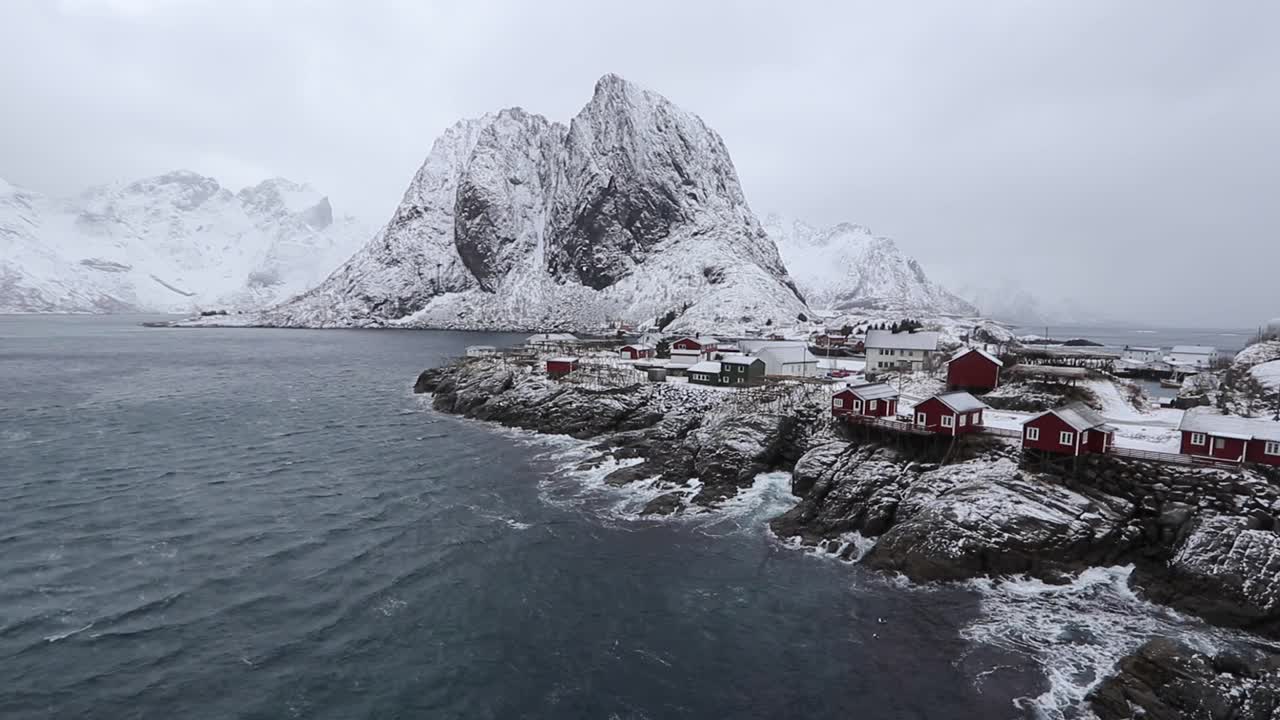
column 1197, row 356
column 1141, row 354
column 904, row 351
column 792, row 359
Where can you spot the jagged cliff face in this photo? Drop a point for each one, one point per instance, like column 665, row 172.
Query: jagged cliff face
column 514, row 221
column 171, row 243
column 848, row 269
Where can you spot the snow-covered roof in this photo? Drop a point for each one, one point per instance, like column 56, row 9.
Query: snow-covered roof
column 1079, row 416
column 787, row 354
column 874, row 391
column 1211, row 422
column 551, row 338
column 965, row 351
column 960, row 401
column 700, row 339
column 563, row 359
column 1193, row 350
column 738, row 359
column 922, row 340
column 1141, row 348
column 706, row 367
column 637, row 347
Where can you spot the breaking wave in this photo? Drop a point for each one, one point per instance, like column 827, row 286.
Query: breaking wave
column 1077, row 632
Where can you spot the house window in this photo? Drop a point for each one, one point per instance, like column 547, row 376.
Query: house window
column 837, row 402
column 1197, row 438
column 1272, row 448
column 873, row 404
column 857, row 405
column 964, row 420
column 948, row 421
column 1066, row 438
column 1033, row 434
column 921, row 419
column 1084, row 436
column 1219, row 443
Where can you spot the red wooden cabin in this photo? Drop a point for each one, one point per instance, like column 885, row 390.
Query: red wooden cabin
column 707, row 346
column 973, row 369
column 869, row 400
column 1073, row 429
column 1207, row 433
column 950, row 413
column 636, row 352
column 561, row 366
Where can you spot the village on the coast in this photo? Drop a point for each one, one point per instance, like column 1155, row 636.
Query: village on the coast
column 1057, row 400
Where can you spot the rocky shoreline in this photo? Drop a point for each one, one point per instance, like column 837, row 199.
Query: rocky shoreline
column 1201, row 541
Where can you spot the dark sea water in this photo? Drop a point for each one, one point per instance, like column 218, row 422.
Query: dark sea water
column 1116, row 337
column 268, row 524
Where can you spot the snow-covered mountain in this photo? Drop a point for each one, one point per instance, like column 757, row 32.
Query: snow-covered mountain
column 631, row 212
column 845, row 268
column 172, row 243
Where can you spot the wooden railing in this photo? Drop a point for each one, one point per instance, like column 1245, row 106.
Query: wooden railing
column 1172, row 458
column 888, row 424
column 1001, row 432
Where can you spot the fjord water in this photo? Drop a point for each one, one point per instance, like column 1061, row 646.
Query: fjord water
column 267, row 523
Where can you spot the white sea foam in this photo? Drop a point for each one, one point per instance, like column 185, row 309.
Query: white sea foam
column 63, row 636
column 1077, row 632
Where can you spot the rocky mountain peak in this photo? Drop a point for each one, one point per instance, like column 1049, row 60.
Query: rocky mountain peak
column 631, row 211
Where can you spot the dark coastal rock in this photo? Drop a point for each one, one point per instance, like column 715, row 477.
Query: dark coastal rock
column 428, row 380
column 666, row 504
column 845, row 489
column 1166, row 680
column 1226, row 569
column 986, row 518
column 730, row 452
column 630, row 474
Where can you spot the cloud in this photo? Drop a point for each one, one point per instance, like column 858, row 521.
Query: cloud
column 1122, row 154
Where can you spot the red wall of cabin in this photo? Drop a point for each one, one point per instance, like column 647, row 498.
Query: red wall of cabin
column 934, row 409
column 972, row 370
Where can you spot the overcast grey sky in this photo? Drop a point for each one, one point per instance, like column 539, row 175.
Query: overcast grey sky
column 1124, row 154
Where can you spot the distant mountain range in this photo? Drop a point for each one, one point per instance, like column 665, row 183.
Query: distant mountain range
column 174, row 243
column 846, row 269
column 631, row 213
column 1012, row 303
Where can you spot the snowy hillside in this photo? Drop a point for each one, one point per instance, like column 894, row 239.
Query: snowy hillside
column 844, row 268
column 631, row 212
column 172, row 243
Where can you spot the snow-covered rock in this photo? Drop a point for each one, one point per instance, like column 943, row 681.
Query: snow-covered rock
column 987, row 518
column 1267, row 373
column 1165, row 679
column 1257, row 354
column 846, row 269
column 173, row 243
column 1226, row 570
column 631, row 212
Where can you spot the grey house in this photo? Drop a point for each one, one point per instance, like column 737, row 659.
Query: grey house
column 741, row 370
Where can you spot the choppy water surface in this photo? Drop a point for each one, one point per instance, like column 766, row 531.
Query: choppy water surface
column 265, row 524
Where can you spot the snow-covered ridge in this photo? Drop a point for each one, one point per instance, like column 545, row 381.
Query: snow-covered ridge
column 631, row 212
column 845, row 268
column 172, row 243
